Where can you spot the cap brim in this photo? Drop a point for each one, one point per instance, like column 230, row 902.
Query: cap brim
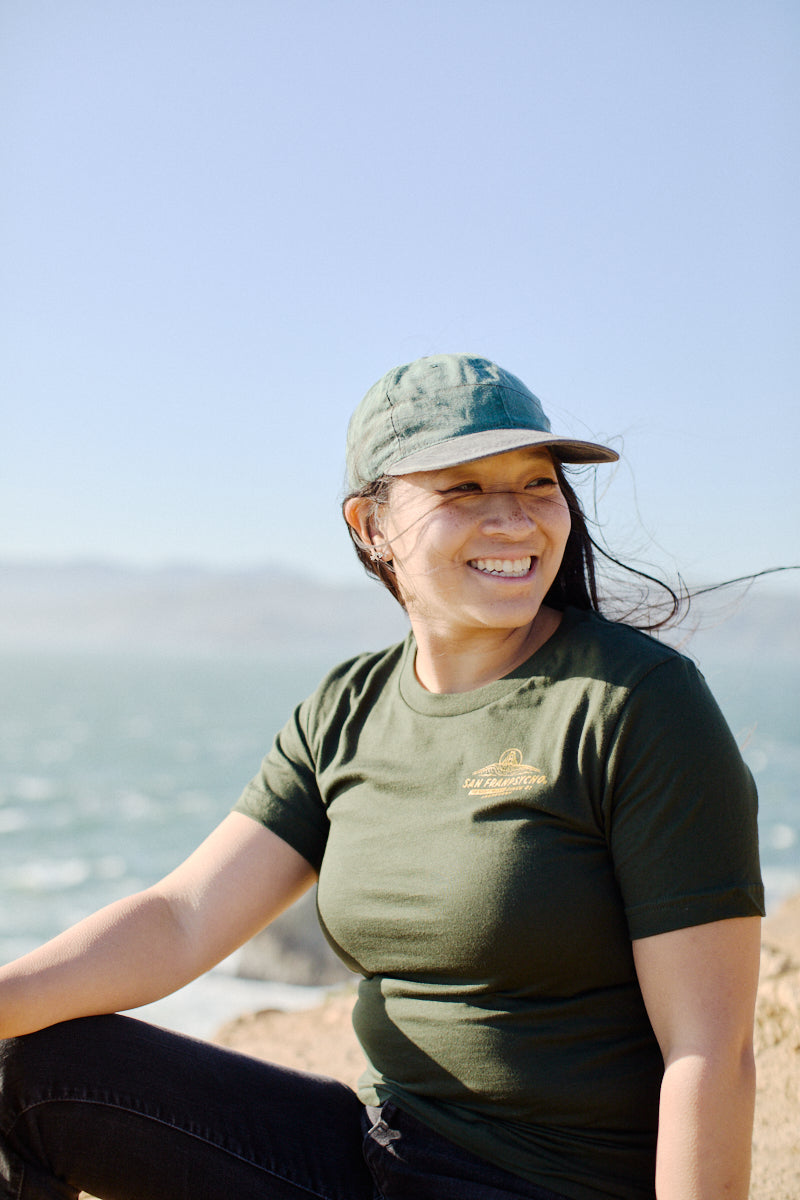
column 497, row 441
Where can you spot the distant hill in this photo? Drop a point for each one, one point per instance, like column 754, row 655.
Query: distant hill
column 100, row 606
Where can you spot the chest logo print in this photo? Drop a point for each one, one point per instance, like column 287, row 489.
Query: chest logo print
column 505, row 777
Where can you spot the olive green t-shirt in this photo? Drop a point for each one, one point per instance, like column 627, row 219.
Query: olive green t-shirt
column 485, row 859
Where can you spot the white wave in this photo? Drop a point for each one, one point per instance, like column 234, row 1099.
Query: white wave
column 47, row 874
column 201, row 1007
column 12, row 820
column 34, row 788
column 779, row 837
column 110, row 866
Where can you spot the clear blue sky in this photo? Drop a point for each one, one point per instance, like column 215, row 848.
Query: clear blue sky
column 222, row 220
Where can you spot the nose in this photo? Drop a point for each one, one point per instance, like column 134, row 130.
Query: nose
column 508, row 513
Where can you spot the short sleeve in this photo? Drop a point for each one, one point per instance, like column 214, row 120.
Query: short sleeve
column 680, row 807
column 284, row 795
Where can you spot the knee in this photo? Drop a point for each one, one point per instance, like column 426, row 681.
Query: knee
column 12, row 1056
column 35, row 1065
column 20, row 1059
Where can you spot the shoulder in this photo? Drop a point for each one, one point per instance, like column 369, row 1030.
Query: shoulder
column 619, row 675
column 356, row 678
column 653, row 704
column 355, row 672
column 618, row 655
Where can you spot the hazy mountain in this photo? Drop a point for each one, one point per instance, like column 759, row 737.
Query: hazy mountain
column 99, row 606
column 96, row 606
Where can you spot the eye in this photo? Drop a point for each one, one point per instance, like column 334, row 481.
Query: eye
column 542, row 483
column 460, row 489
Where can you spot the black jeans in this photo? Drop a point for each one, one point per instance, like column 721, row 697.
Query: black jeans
column 128, row 1111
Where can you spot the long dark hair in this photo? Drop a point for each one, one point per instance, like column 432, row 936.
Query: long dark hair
column 590, row 576
column 647, row 603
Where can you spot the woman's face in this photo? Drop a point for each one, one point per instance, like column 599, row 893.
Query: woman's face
column 477, row 546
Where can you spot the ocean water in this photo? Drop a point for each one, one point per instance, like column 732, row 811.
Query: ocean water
column 114, row 767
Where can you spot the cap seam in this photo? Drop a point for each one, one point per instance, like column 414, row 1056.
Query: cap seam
column 397, row 442
column 487, row 383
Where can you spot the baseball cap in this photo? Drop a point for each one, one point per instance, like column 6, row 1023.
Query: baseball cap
column 447, row 409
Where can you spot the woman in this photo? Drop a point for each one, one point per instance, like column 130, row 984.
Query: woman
column 534, row 838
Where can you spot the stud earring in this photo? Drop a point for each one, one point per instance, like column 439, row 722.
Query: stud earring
column 375, row 555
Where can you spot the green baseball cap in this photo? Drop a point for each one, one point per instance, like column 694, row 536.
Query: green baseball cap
column 448, row 409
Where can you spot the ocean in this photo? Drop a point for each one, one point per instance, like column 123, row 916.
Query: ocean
column 114, row 766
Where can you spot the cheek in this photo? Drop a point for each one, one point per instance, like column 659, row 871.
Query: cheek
column 559, row 528
column 416, row 531
column 565, row 527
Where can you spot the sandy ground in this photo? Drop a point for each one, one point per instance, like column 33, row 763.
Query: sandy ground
column 322, row 1040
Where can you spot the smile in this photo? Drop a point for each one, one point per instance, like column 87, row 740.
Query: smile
column 508, row 568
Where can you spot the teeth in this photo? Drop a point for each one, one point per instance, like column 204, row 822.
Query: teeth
column 502, row 566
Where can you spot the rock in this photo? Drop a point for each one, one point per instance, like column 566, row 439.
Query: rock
column 293, row 949
column 320, row 1040
column 781, row 930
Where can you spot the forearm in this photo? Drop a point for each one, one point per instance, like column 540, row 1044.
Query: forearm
column 705, row 1128
column 148, row 945
column 130, row 953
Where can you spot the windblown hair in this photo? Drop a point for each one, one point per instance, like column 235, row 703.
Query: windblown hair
column 378, row 493
column 630, row 595
column 589, row 578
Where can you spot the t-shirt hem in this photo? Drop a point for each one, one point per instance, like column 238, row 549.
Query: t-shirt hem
column 488, row 1149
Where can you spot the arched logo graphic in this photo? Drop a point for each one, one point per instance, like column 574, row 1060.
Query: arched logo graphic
column 505, row 777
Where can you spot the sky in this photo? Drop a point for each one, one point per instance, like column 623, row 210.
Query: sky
column 222, row 220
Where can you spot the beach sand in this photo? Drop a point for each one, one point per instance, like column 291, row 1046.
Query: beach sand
column 321, row 1040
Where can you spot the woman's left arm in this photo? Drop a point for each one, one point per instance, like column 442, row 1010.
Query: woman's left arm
column 699, row 985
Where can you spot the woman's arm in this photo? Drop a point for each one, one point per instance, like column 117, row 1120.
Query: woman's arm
column 699, row 986
column 150, row 944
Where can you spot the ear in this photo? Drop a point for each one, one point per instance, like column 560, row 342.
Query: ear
column 360, row 512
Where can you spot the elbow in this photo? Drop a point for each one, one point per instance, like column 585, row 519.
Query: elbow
column 719, row 1064
column 173, row 949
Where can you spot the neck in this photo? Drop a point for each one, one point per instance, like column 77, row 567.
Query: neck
column 448, row 662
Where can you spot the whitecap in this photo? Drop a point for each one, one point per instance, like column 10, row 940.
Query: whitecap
column 12, row 819
column 34, row 788
column 110, row 866
column 49, row 874
column 779, row 837
column 203, row 1005
column 137, row 806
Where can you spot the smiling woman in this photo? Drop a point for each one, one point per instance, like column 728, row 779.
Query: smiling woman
column 534, row 838
column 474, row 548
